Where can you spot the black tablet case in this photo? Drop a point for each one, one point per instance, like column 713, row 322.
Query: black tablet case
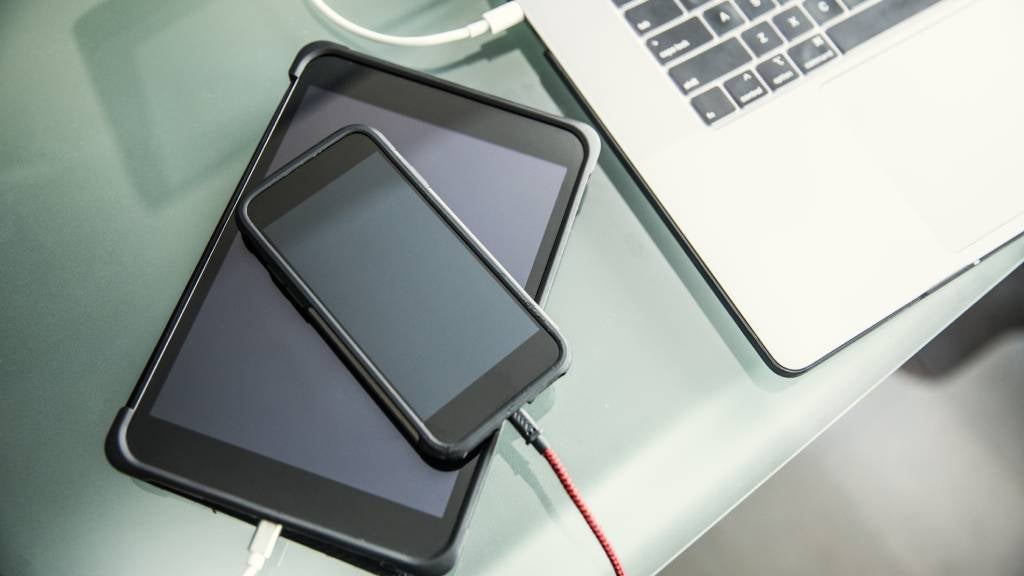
column 352, row 549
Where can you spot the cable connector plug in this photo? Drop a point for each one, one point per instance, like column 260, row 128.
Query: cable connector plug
column 262, row 546
column 529, row 430
column 504, row 17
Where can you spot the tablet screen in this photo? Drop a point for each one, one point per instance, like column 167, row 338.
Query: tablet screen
column 251, row 373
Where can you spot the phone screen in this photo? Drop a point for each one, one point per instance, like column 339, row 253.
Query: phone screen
column 402, row 283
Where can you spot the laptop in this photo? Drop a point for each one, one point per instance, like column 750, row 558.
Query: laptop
column 827, row 161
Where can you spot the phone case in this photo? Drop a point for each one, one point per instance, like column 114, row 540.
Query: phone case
column 352, row 549
column 306, row 301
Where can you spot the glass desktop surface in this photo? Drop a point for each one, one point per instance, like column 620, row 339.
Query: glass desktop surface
column 126, row 126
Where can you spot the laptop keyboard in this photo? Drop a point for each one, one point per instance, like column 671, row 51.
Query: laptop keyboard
column 727, row 54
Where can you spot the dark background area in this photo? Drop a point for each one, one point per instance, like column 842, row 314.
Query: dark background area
column 924, row 477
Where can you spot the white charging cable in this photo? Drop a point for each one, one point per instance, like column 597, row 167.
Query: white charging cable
column 261, row 546
column 493, row 21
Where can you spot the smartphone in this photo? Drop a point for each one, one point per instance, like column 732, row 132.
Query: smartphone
column 429, row 321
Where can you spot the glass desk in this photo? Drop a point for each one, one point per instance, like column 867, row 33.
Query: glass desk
column 126, row 126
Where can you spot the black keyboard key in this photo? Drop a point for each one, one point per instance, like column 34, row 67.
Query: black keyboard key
column 679, row 39
column 851, row 4
column 754, row 9
column 761, row 39
column 823, row 10
column 693, row 4
column 871, row 22
column 712, row 106
column 812, row 53
column 777, row 72
column 745, row 88
column 712, row 64
column 792, row 22
column 723, row 18
column 652, row 14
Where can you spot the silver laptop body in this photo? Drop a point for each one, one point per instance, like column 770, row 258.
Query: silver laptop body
column 829, row 161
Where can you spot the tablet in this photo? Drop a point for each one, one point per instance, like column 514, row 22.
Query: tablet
column 243, row 406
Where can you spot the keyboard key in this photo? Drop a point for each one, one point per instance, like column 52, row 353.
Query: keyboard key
column 777, row 72
column 693, row 4
column 823, row 10
column 745, row 88
column 652, row 14
column 761, row 39
column 679, row 39
column 792, row 23
column 811, row 53
column 872, row 21
column 714, row 63
column 712, row 106
column 851, row 4
column 723, row 18
column 753, row 9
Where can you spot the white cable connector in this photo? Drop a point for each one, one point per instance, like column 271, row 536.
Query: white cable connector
column 261, row 546
column 504, row 17
column 494, row 21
